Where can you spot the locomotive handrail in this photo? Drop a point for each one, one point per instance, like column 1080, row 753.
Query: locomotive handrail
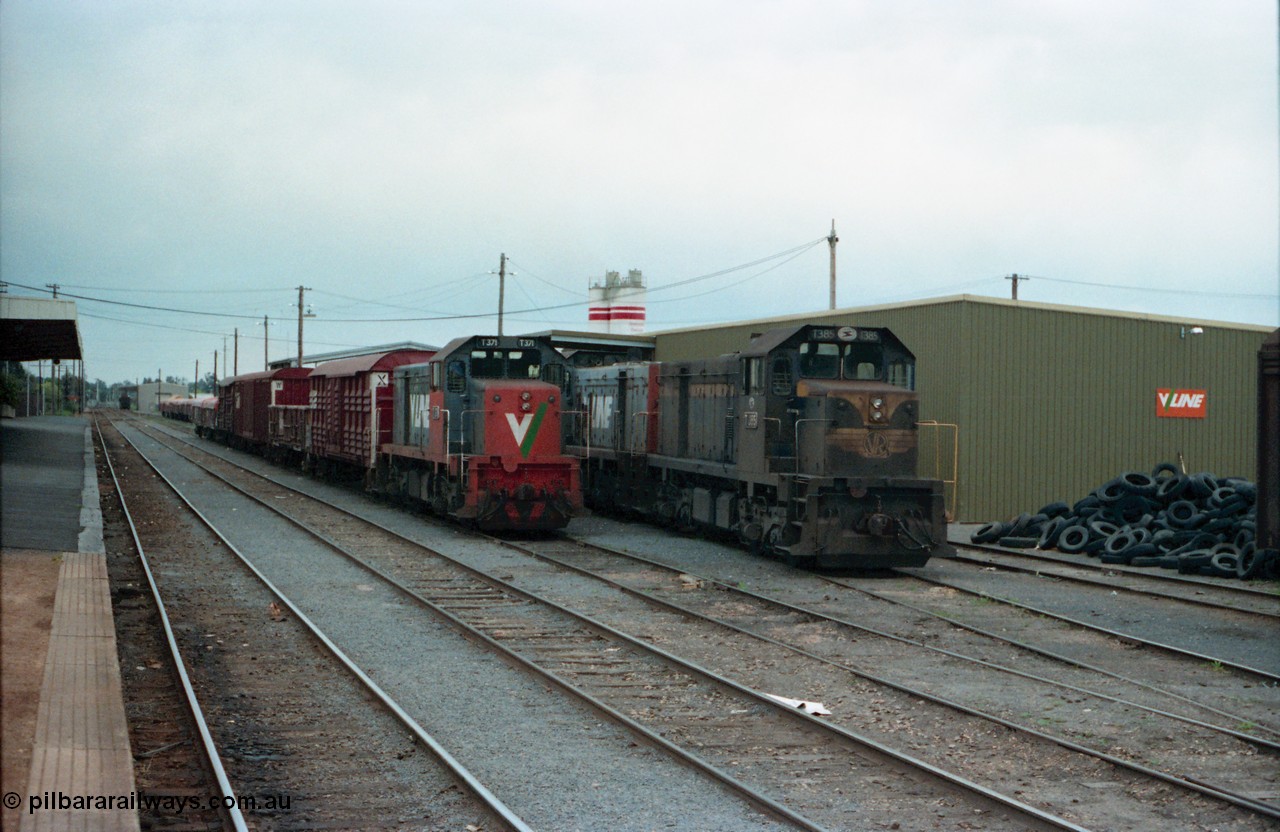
column 766, row 436
column 799, row 422
column 954, row 482
column 462, row 452
column 645, row 444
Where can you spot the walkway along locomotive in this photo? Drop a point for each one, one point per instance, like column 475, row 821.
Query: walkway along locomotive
column 804, row 445
column 477, row 435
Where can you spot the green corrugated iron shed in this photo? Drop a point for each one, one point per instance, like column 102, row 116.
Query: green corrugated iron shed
column 1049, row 401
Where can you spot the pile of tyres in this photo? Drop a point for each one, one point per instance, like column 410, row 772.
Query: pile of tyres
column 1194, row 523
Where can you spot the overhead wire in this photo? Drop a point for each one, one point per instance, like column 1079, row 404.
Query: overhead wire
column 138, row 305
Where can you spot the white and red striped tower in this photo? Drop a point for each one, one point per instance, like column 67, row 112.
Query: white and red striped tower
column 617, row 305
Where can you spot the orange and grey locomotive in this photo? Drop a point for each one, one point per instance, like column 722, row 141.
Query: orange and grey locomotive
column 803, row 445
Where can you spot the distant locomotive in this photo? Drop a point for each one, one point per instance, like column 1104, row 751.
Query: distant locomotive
column 477, row 435
column 804, row 445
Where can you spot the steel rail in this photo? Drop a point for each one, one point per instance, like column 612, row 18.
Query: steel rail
column 1065, row 660
column 1033, row 815
column 1150, row 573
column 212, row 758
column 457, row 768
column 1092, row 581
column 825, row 617
column 821, row 616
column 649, row 736
column 1193, row 784
column 1265, row 675
column 989, row 634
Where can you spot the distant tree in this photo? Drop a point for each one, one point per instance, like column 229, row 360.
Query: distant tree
column 11, row 389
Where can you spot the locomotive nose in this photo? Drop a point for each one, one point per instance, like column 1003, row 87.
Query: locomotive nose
column 879, row 524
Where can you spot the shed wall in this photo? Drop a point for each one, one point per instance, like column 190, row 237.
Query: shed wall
column 1052, row 401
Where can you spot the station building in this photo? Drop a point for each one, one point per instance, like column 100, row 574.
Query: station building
column 1036, row 402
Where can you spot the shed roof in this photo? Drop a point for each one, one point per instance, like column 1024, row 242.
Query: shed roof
column 34, row 329
column 809, row 317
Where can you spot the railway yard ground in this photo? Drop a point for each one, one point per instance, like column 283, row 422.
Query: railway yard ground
column 358, row 666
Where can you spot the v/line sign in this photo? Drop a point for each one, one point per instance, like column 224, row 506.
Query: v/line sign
column 1181, row 404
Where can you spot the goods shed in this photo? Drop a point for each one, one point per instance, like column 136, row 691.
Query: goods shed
column 1050, row 401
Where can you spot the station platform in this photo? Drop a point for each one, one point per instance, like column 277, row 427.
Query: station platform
column 66, row 740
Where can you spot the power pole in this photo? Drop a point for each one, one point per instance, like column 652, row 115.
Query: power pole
column 301, row 310
column 215, row 370
column 266, row 362
column 55, row 287
column 832, row 239
column 196, row 391
column 235, row 365
column 1015, row 278
column 502, row 287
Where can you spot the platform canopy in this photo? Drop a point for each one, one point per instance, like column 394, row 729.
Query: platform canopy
column 37, row 329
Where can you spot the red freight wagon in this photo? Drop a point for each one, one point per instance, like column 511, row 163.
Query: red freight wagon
column 351, row 402
column 244, row 402
column 205, row 415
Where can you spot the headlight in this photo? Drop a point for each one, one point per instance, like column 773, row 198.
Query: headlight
column 525, row 395
column 877, row 403
column 877, row 415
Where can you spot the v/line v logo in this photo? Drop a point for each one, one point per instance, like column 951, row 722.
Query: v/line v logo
column 525, row 430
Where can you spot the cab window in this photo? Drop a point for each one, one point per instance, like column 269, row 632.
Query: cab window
column 863, row 362
column 456, row 377
column 902, row 374
column 486, row 363
column 780, row 377
column 523, row 364
column 819, row 360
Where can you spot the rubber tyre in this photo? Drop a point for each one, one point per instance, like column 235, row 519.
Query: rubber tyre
column 989, row 533
column 1073, row 539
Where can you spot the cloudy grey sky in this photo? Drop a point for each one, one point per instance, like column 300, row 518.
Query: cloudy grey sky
column 211, row 157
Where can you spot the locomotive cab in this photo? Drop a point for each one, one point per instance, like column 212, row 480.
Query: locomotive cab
column 477, row 434
column 833, row 412
column 825, row 400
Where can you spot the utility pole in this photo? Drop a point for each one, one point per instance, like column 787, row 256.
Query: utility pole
column 1015, row 278
column 196, row 387
column 301, row 315
column 235, row 365
column 55, row 287
column 502, row 287
column 215, row 370
column 266, row 362
column 832, row 239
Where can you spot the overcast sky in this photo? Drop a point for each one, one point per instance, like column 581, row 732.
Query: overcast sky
column 214, row 156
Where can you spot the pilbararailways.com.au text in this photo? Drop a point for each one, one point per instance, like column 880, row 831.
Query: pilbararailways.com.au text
column 155, row 804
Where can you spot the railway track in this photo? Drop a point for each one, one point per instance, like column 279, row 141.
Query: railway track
column 795, row 618
column 1236, row 596
column 180, row 691
column 275, row 768
column 787, row 758
column 556, row 775
column 1238, row 639
column 778, row 622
